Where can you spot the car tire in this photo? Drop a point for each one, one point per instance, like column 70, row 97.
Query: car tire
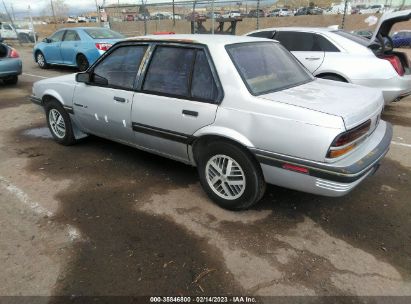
column 41, row 60
column 11, row 80
column 332, row 77
column 82, row 62
column 238, row 189
column 59, row 123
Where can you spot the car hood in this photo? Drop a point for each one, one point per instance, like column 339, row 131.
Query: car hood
column 387, row 21
column 354, row 104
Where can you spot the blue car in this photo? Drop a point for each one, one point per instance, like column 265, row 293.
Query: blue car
column 77, row 47
column 401, row 39
column 10, row 64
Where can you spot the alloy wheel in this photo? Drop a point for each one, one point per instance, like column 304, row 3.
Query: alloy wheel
column 225, row 177
column 57, row 124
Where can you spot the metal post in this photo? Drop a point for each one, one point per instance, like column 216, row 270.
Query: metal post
column 174, row 17
column 98, row 13
column 212, row 17
column 345, row 12
column 145, row 17
column 258, row 14
column 32, row 26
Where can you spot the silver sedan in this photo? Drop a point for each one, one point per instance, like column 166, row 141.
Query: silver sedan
column 240, row 109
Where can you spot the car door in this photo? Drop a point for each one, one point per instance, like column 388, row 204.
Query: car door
column 103, row 105
column 178, row 95
column 69, row 46
column 51, row 49
column 304, row 47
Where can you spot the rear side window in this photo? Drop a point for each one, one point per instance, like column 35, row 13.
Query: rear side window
column 203, row 86
column 121, row 66
column 263, row 34
column 305, row 42
column 181, row 72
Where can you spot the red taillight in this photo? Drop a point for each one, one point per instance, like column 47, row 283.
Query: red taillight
column 14, row 54
column 396, row 63
column 103, row 46
column 345, row 142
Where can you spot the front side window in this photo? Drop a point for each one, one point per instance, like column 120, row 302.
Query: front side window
column 57, row 37
column 169, row 71
column 7, row 27
column 71, row 36
column 120, row 67
column 267, row 67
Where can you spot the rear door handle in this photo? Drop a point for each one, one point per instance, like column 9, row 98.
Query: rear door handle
column 191, row 113
column 119, row 99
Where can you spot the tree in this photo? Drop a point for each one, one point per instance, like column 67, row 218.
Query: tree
column 61, row 10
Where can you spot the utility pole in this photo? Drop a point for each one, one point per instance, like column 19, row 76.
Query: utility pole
column 145, row 16
column 12, row 12
column 54, row 15
column 32, row 26
column 258, row 14
column 98, row 12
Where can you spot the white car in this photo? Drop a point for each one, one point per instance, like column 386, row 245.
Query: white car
column 281, row 12
column 337, row 55
column 232, row 14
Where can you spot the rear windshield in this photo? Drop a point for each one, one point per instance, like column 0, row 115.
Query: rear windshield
column 353, row 37
column 102, row 33
column 267, row 67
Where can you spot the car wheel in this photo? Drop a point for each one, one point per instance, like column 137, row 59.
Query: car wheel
column 59, row 123
column 230, row 176
column 11, row 80
column 332, row 77
column 82, row 62
column 41, row 61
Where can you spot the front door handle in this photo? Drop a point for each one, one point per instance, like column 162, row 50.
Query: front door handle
column 119, row 99
column 191, row 113
column 312, row 58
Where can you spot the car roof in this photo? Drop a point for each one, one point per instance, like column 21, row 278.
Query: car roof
column 80, row 28
column 206, row 39
column 295, row 28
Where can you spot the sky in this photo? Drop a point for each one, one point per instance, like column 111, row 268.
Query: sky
column 76, row 6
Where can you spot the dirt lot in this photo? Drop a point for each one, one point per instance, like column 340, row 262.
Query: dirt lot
column 99, row 218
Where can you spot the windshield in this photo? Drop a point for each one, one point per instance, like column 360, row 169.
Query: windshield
column 267, row 67
column 102, row 33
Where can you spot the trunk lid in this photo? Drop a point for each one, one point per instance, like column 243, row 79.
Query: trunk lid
column 387, row 21
column 354, row 104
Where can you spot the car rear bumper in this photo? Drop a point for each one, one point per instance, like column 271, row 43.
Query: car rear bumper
column 10, row 67
column 328, row 179
column 393, row 89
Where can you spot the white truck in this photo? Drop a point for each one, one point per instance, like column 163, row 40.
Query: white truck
column 7, row 31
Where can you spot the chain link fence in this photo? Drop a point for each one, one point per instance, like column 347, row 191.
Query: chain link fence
column 222, row 17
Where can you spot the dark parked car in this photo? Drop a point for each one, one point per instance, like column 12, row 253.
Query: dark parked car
column 253, row 13
column 401, row 39
column 10, row 64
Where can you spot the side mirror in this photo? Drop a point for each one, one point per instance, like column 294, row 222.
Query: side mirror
column 46, row 40
column 83, row 77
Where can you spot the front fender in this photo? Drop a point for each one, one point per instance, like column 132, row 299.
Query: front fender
column 54, row 94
